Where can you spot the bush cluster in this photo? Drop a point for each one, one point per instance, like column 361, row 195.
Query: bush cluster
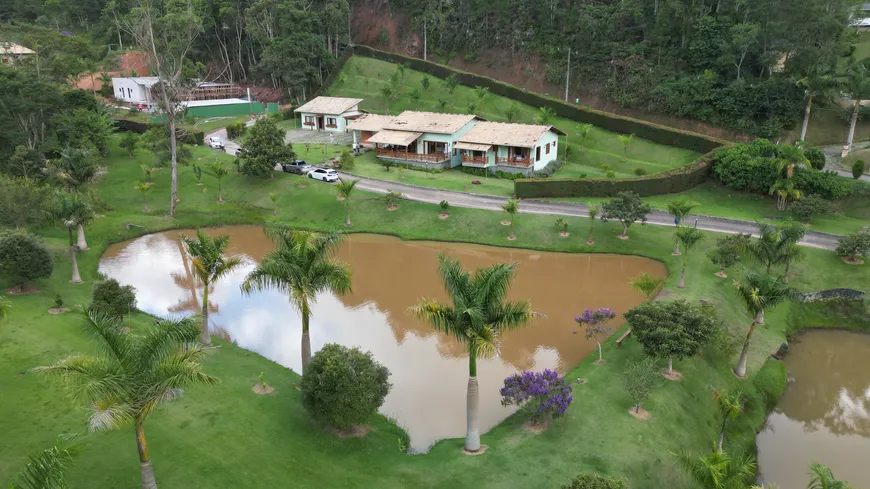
column 815, row 157
column 343, row 386
column 485, row 172
column 752, row 167
column 113, row 299
column 810, row 206
column 544, row 395
column 236, row 130
column 23, row 258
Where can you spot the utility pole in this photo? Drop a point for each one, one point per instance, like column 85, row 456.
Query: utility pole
column 568, row 74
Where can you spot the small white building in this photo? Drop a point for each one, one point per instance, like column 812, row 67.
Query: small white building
column 517, row 148
column 135, row 90
column 329, row 113
column 11, row 52
column 424, row 138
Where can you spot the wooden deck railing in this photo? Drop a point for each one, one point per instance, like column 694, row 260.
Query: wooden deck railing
column 411, row 156
column 481, row 160
column 514, row 161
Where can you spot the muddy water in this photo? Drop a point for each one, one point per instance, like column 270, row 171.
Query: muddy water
column 429, row 370
column 824, row 414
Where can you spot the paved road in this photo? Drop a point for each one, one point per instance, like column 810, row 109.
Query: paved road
column 832, row 158
column 488, row 202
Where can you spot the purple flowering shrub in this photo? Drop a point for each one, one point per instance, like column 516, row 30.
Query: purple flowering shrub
column 543, row 394
column 594, row 321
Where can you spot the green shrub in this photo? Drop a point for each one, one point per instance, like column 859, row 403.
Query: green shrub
column 236, row 130
column 857, row 169
column 640, row 171
column 591, row 480
column 113, row 299
column 809, row 206
column 854, row 245
column 346, row 160
column 23, row 258
column 343, row 386
column 815, row 157
column 611, row 174
column 288, row 114
column 673, row 181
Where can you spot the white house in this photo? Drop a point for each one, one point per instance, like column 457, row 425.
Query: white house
column 329, row 113
column 11, row 52
column 517, row 148
column 367, row 125
column 135, row 90
column 423, row 138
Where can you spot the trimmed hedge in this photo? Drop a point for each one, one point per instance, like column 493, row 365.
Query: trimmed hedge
column 673, row 181
column 185, row 135
column 131, row 125
column 611, row 122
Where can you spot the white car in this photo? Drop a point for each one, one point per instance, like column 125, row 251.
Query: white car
column 215, row 142
column 323, row 174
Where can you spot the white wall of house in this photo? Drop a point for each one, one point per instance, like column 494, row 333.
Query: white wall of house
column 340, row 121
column 128, row 90
column 551, row 139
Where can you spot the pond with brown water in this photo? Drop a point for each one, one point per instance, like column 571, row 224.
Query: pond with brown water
column 824, row 414
column 429, row 369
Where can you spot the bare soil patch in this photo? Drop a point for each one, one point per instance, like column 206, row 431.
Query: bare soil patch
column 511, row 238
column 599, row 362
column 850, row 261
column 535, row 428
column 58, row 310
column 443, row 215
column 340, row 197
column 26, row 289
column 675, row 375
column 622, row 237
column 721, row 275
column 392, row 208
column 590, row 241
column 259, row 389
column 355, row 431
column 641, row 414
column 581, row 381
column 505, row 223
column 481, row 451
column 564, row 234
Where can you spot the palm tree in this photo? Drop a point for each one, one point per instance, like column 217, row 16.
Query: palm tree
column 274, row 198
column 133, row 374
column 76, row 168
column 688, row 237
column 757, row 292
column 680, row 209
column 477, row 317
column 5, row 307
column 219, row 171
column 593, row 210
column 790, row 234
column 545, row 116
column 583, row 132
column 625, row 139
column 209, row 266
column 718, row 470
column 345, row 188
column 47, row 470
column 785, row 190
column 387, row 94
column 646, row 285
column 819, row 82
column 511, row 207
column 777, row 244
column 857, row 85
column 72, row 211
column 730, row 407
column 480, row 93
column 144, row 188
column 823, row 478
column 511, row 112
column 302, row 267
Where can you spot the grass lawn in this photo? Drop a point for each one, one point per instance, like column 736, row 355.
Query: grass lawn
column 850, row 214
column 364, row 77
column 210, row 124
column 225, row 436
column 827, row 127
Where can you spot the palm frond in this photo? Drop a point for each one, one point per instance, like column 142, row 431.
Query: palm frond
column 442, row 318
column 164, row 339
column 111, row 416
column 47, row 469
column 88, row 379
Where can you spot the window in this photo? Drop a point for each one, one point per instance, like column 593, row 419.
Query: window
column 330, row 122
column 129, row 93
column 309, row 120
column 548, row 148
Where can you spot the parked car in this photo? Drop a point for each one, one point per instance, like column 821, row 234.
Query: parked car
column 298, row 167
column 215, row 142
column 323, row 174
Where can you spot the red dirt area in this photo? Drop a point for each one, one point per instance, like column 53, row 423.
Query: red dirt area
column 124, row 65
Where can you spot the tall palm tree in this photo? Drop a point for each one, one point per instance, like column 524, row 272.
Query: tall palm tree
column 818, row 82
column 680, row 209
column 784, row 189
column 823, row 478
column 133, row 374
column 47, row 470
column 209, row 266
column 477, row 317
column 646, row 285
column 345, row 188
column 302, row 267
column 688, row 237
column 219, row 171
column 729, row 407
column 718, row 470
column 71, row 210
column 790, row 234
column 758, row 293
column 76, row 168
column 511, row 207
column 857, row 85
column 765, row 249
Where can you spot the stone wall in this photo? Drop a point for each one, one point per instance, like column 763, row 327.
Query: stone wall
column 832, row 294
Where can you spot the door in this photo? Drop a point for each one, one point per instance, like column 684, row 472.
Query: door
column 538, row 153
column 320, row 122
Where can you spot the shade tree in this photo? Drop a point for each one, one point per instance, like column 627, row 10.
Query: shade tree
column 543, row 395
column 595, row 322
column 639, row 380
column 23, row 258
column 626, row 208
column 727, row 252
column 671, row 329
column 852, row 246
column 264, row 147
